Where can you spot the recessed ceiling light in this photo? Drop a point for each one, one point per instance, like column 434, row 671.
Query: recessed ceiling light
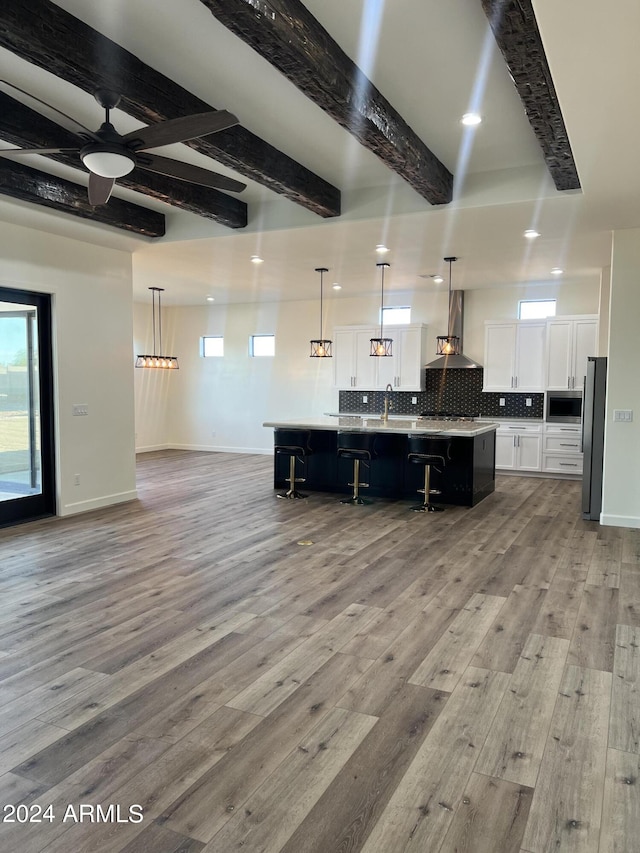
column 381, row 249
column 211, row 299
column 438, row 279
column 337, row 286
column 531, row 233
column 471, row 119
column 256, row 259
column 556, row 271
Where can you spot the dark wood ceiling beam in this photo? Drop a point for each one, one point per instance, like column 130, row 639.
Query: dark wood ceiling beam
column 45, row 35
column 26, row 128
column 286, row 34
column 515, row 28
column 32, row 185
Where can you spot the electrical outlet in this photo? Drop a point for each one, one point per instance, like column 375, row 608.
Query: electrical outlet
column 414, row 400
column 502, row 401
column 527, row 401
column 76, row 479
column 365, row 399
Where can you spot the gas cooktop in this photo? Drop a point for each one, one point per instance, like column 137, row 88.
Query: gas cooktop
column 445, row 416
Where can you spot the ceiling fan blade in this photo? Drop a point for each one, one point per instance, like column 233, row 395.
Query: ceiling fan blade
column 99, row 188
column 187, row 172
column 17, row 152
column 79, row 128
column 180, row 129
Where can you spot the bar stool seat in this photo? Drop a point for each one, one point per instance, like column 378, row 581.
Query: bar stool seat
column 359, row 446
column 293, row 443
column 432, row 452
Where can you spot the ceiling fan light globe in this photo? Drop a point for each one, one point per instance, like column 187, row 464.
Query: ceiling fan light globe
column 107, row 164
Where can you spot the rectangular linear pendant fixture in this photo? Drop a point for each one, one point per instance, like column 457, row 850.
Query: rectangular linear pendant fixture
column 155, row 361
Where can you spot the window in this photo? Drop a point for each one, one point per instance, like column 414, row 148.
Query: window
column 212, row 346
column 536, row 309
column 261, row 345
column 396, row 316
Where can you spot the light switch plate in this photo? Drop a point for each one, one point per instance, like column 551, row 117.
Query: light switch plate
column 365, row 399
column 624, row 415
column 502, row 401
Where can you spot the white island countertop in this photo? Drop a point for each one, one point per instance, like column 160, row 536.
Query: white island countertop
column 466, row 429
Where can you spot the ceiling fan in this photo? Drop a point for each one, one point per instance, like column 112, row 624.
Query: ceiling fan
column 109, row 155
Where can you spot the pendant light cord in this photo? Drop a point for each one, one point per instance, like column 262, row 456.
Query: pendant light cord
column 321, row 276
column 382, row 266
column 449, row 261
column 153, row 319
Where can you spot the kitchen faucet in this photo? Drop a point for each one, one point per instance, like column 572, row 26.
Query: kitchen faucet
column 387, row 403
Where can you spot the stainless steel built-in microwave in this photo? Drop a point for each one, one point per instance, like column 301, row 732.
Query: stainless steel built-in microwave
column 564, row 407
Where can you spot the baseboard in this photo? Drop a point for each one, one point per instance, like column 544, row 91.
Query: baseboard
column 152, row 447
column 98, row 503
column 619, row 520
column 208, row 448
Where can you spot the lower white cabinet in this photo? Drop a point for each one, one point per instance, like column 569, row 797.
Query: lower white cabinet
column 542, row 447
column 562, row 450
column 519, row 447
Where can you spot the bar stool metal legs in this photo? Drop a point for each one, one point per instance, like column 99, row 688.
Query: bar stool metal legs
column 293, row 443
column 292, row 493
column 429, row 450
column 426, row 506
column 355, row 498
column 359, row 446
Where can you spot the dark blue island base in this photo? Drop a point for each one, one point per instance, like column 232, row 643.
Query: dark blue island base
column 468, row 477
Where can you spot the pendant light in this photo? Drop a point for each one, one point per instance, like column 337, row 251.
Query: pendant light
column 157, row 361
column 381, row 346
column 448, row 344
column 321, row 348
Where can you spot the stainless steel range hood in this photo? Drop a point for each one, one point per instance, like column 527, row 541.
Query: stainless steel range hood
column 456, row 317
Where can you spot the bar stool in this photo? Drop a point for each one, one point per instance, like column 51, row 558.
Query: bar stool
column 293, row 443
column 358, row 446
column 430, row 451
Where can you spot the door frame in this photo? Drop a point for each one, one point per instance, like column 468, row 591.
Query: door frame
column 31, row 507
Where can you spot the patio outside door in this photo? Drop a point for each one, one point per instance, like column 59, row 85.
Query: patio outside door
column 26, row 407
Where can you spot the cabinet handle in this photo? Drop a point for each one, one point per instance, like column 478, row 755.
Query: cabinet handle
column 569, row 464
column 575, row 444
column 512, row 381
column 515, row 385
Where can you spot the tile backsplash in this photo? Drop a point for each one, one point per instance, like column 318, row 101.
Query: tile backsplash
column 456, row 391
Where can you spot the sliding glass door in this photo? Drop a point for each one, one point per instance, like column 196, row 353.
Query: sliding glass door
column 26, row 407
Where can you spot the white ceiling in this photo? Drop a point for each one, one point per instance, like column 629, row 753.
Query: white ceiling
column 433, row 61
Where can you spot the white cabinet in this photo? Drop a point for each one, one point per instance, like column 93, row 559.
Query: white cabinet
column 570, row 340
column 519, row 447
column 562, row 449
column 514, row 356
column 353, row 366
column 355, row 369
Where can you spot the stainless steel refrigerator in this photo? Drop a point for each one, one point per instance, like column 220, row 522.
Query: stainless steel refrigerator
column 593, row 418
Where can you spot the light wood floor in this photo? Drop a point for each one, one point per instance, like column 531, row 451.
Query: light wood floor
column 308, row 677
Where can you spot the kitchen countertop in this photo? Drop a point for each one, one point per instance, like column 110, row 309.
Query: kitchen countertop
column 397, row 424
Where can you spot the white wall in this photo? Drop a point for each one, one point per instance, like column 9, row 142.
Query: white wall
column 92, row 332
column 621, row 486
column 220, row 404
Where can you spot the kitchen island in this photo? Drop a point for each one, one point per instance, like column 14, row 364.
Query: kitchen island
column 468, row 477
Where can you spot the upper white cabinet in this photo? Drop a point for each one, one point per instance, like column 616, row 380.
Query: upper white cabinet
column 353, row 366
column 514, row 356
column 355, row 369
column 570, row 340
